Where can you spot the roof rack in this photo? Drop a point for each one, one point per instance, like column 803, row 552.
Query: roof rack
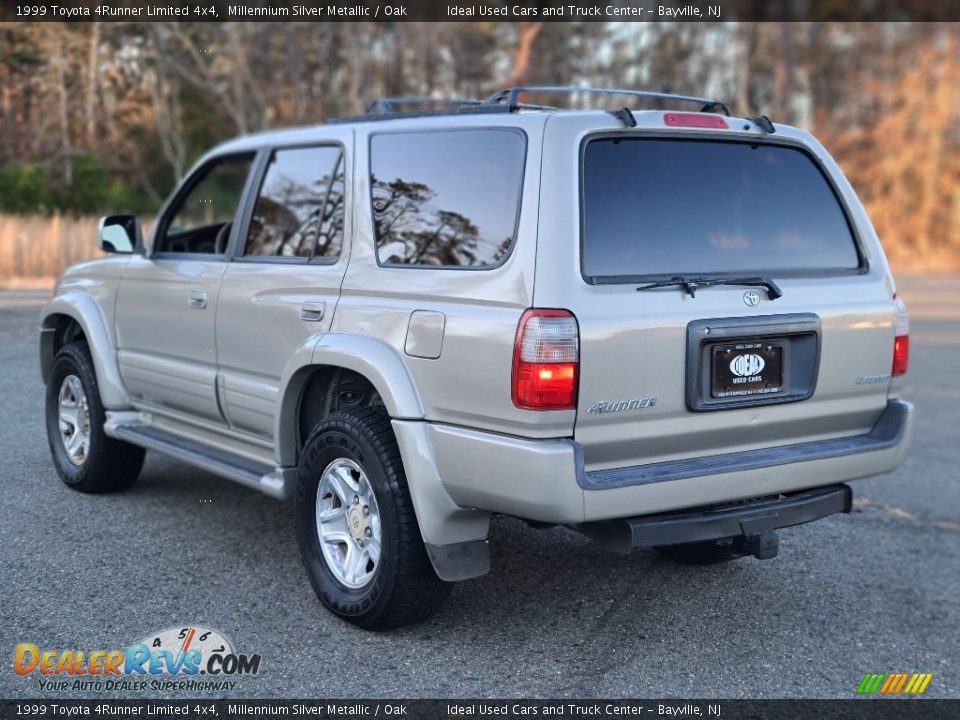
column 388, row 105
column 508, row 101
column 510, row 96
column 387, row 108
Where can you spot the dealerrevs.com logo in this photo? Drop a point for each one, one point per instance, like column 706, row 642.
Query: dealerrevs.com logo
column 178, row 658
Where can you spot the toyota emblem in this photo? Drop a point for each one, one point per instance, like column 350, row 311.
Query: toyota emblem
column 751, row 298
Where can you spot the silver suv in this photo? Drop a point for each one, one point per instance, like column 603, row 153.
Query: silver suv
column 663, row 329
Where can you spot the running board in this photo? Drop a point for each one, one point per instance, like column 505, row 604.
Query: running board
column 269, row 479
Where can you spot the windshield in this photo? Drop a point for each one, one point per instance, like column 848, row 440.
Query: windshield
column 700, row 207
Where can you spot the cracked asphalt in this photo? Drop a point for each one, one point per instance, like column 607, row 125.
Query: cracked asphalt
column 875, row 591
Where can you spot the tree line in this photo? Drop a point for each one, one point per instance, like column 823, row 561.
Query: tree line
column 108, row 116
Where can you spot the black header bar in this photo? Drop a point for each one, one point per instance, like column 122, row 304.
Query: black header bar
column 478, row 10
column 343, row 709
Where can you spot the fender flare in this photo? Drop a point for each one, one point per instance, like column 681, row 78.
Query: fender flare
column 375, row 360
column 84, row 310
column 455, row 537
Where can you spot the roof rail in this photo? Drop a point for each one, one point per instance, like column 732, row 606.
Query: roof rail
column 387, row 108
column 507, row 101
column 510, row 96
column 388, row 105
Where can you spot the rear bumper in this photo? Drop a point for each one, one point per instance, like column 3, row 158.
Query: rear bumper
column 889, row 432
column 748, row 520
column 545, row 480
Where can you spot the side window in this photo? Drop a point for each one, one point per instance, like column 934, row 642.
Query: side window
column 299, row 210
column 446, row 198
column 200, row 221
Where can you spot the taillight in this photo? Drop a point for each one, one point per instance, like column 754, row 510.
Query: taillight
column 901, row 341
column 698, row 120
column 546, row 358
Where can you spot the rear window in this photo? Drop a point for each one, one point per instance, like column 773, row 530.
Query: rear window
column 446, row 198
column 686, row 207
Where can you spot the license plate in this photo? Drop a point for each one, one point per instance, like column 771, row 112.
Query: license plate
column 747, row 368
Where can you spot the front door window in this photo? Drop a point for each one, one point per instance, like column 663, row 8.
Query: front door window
column 200, row 219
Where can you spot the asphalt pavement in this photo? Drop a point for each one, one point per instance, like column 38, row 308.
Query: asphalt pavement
column 874, row 591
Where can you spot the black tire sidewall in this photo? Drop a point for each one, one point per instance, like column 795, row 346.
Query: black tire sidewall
column 341, row 439
column 73, row 360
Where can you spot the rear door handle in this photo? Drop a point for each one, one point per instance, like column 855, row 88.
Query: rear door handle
column 312, row 311
column 197, row 299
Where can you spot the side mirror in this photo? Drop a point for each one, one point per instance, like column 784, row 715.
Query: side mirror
column 120, row 233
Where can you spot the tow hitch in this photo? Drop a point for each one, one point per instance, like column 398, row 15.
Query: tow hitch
column 764, row 546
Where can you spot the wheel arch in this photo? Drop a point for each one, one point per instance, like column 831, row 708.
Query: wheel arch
column 374, row 361
column 74, row 315
column 455, row 537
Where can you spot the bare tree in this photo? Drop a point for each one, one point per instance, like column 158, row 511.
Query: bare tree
column 59, row 63
column 90, row 105
column 527, row 34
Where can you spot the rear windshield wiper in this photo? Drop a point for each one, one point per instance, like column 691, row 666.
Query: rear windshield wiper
column 692, row 284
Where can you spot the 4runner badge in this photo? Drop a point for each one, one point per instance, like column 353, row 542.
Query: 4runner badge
column 603, row 406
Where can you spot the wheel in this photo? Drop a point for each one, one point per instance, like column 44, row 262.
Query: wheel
column 702, row 553
column 356, row 526
column 84, row 457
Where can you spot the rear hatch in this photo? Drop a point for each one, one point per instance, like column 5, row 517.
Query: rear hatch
column 797, row 347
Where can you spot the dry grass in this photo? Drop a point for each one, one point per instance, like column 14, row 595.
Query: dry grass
column 35, row 249
column 41, row 247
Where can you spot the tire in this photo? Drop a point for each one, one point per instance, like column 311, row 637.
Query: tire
column 101, row 464
column 354, row 452
column 701, row 553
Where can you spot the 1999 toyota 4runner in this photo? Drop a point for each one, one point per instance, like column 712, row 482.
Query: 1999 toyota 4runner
column 664, row 329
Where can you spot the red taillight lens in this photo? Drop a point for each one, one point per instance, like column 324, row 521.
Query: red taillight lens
column 901, row 342
column 546, row 359
column 901, row 354
column 698, row 120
